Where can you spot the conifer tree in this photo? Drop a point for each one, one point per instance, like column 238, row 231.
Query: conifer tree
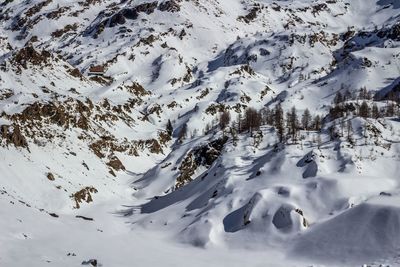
column 182, row 133
column 169, row 127
column 306, row 120
column 349, row 132
column 293, row 123
column 338, row 98
column 224, row 119
column 364, row 110
column 279, row 122
column 375, row 112
column 317, row 123
column 252, row 120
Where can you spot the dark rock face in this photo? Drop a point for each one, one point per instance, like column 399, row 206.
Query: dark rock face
column 120, row 17
column 206, row 155
column 91, row 262
column 12, row 135
column 170, row 6
column 83, row 195
column 130, row 14
column 50, row 176
column 395, row 32
column 252, row 15
column 116, row 164
column 74, row 113
column 147, row 8
column 201, row 156
column 360, row 40
column 84, row 218
column 29, row 54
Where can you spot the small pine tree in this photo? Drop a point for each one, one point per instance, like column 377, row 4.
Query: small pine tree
column 266, row 116
column 224, row 119
column 306, row 120
column 182, row 133
column 338, row 98
column 363, row 93
column 332, row 131
column 349, row 132
column 375, row 112
column 342, row 123
column 279, row 122
column 364, row 110
column 239, row 122
column 317, row 123
column 392, row 96
column 169, row 128
column 288, row 129
column 294, row 123
column 252, row 120
column 390, row 109
column 347, row 95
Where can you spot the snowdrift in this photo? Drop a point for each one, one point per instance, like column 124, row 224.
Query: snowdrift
column 366, row 233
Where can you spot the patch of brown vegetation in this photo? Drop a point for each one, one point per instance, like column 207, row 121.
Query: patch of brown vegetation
column 323, row 38
column 164, row 138
column 107, row 145
column 36, row 8
column 188, row 76
column 71, row 113
column 244, row 98
column 319, row 8
column 149, row 40
column 29, row 55
column 252, row 15
column 83, row 195
column 203, row 93
column 104, row 80
column 215, row 108
column 57, row 13
column 6, row 93
column 265, row 91
column 156, row 108
column 115, row 163
column 136, row 89
column 172, row 105
column 67, row 28
column 244, row 69
column 75, row 73
column 12, row 135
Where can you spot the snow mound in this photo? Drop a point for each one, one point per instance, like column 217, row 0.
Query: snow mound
column 367, row 232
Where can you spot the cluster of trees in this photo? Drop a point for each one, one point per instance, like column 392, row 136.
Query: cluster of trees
column 343, row 108
column 287, row 126
column 346, row 95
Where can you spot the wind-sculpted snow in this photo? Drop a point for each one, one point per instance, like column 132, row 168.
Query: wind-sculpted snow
column 366, row 232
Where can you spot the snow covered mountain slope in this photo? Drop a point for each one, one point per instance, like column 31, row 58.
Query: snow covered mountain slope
column 237, row 132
